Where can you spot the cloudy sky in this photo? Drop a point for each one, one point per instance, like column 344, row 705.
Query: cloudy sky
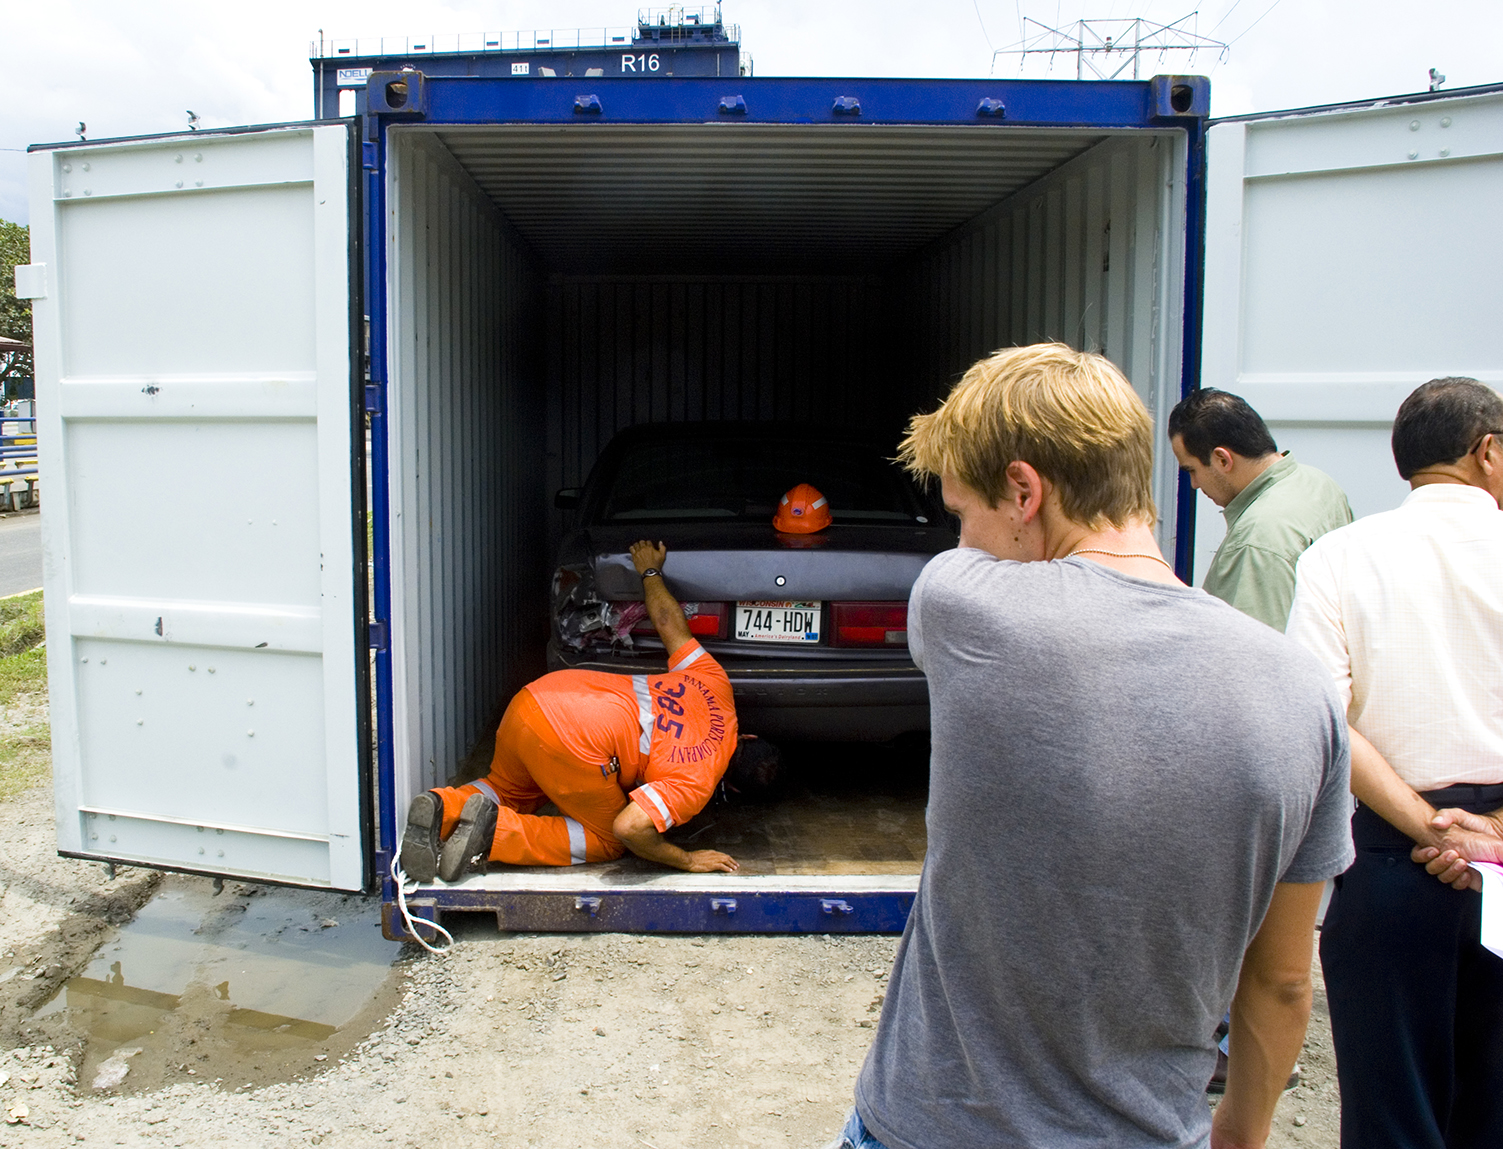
column 132, row 67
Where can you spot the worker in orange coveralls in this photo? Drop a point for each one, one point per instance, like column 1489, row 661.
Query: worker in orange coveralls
column 625, row 758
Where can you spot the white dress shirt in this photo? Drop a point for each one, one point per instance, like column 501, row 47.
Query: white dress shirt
column 1405, row 609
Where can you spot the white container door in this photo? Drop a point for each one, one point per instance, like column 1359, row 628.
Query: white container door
column 197, row 400
column 1351, row 254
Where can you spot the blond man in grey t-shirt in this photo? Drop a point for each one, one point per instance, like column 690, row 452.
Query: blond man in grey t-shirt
column 1124, row 835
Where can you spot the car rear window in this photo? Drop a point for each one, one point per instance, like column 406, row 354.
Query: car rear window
column 743, row 478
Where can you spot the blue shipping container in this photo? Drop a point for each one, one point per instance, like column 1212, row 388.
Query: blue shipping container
column 489, row 277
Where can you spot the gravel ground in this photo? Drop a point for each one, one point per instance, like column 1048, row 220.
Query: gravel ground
column 508, row 1040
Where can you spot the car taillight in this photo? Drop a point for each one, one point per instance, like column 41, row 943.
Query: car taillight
column 705, row 619
column 869, row 624
column 708, row 621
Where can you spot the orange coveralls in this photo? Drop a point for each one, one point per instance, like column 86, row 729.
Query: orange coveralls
column 589, row 742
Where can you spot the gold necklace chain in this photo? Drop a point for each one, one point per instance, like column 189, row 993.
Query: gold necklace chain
column 1116, row 555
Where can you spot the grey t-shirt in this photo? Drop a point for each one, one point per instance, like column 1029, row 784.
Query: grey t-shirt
column 1122, row 771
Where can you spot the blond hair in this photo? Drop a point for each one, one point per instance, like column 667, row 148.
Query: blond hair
column 1070, row 414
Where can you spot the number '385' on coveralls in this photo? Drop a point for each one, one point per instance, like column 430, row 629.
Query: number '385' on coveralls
column 589, row 742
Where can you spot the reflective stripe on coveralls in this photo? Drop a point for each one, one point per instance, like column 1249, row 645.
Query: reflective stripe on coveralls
column 658, row 802
column 690, row 659
column 644, row 711
column 488, row 790
column 576, row 842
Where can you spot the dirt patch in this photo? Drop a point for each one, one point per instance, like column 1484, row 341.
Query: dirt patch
column 538, row 1041
column 518, row 1041
column 53, row 912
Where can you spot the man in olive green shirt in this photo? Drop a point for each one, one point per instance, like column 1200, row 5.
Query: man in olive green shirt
column 1274, row 507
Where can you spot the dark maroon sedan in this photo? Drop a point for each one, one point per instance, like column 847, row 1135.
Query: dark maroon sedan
column 811, row 628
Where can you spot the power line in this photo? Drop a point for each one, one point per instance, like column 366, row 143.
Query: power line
column 1255, row 23
column 1225, row 16
column 976, row 4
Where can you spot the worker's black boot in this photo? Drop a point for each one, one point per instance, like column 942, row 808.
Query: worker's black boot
column 469, row 847
column 420, row 841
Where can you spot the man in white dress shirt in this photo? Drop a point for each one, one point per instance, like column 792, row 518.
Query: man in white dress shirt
column 1405, row 609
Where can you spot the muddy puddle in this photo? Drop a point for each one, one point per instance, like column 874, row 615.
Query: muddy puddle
column 252, row 985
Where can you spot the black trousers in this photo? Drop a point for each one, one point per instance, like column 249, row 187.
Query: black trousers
column 1416, row 1001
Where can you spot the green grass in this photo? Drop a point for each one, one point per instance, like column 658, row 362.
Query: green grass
column 21, row 625
column 25, row 739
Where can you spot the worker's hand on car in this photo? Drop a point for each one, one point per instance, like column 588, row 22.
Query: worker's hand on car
column 647, row 555
column 711, row 861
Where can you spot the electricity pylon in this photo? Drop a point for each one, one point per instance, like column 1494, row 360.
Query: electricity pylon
column 1105, row 49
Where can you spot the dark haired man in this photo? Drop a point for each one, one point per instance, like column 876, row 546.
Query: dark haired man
column 1274, row 507
column 1405, row 609
column 624, row 758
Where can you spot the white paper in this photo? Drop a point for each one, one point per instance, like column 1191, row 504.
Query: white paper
column 1492, row 905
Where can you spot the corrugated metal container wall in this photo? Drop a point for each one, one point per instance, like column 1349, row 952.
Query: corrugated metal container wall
column 468, row 463
column 654, row 349
column 1084, row 256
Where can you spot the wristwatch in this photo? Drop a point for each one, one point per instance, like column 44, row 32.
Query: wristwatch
column 650, row 571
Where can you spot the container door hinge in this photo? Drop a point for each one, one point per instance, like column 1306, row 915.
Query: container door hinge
column 368, row 155
column 589, row 905
column 725, row 906
column 373, row 398
column 378, row 634
column 834, row 906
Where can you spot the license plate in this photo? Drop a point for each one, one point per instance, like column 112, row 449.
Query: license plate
column 777, row 621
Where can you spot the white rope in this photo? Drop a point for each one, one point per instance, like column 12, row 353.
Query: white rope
column 412, row 922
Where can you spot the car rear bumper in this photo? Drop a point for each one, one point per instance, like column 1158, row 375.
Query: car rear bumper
column 850, row 701
column 846, row 705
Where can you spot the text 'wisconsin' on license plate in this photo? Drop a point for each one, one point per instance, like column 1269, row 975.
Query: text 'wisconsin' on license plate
column 777, row 621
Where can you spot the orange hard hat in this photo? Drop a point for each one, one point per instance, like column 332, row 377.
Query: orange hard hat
column 802, row 511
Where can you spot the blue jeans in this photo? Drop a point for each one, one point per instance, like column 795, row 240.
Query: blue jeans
column 855, row 1136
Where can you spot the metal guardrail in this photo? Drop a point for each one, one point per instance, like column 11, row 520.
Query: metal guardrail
column 679, row 16
column 11, row 436
column 18, row 461
column 540, row 39
column 531, row 41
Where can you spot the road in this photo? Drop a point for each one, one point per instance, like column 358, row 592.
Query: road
column 20, row 553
